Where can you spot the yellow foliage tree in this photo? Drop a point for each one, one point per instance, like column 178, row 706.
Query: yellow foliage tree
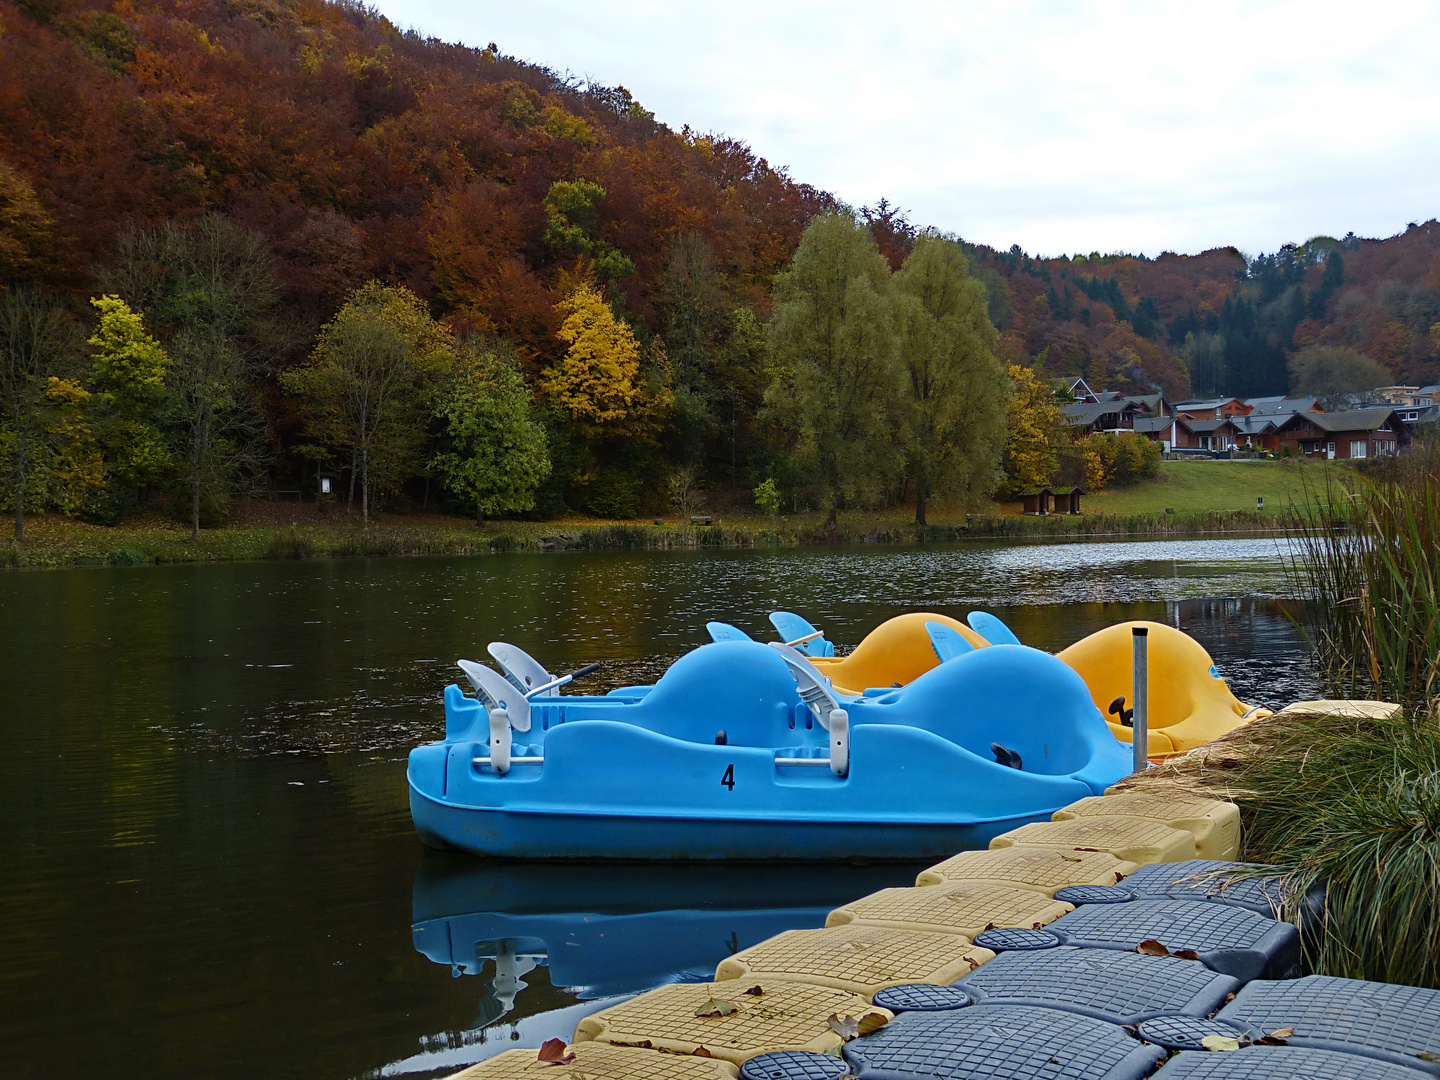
column 1034, row 423
column 598, row 380
column 79, row 466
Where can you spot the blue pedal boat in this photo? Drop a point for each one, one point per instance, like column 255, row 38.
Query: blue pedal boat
column 743, row 751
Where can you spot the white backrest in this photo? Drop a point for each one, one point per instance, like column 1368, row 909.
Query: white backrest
column 811, row 684
column 522, row 669
column 497, row 692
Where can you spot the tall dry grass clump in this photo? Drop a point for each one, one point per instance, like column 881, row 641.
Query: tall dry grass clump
column 1368, row 561
column 1343, row 803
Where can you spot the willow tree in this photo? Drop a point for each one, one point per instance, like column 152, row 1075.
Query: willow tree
column 835, row 380
column 956, row 392
column 370, row 386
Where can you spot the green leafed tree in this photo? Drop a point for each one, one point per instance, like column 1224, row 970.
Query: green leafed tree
column 127, row 376
column 496, row 453
column 39, row 342
column 372, row 383
column 954, row 420
column 1334, row 372
column 836, row 381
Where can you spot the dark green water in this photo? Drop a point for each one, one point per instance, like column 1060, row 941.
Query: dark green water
column 207, row 867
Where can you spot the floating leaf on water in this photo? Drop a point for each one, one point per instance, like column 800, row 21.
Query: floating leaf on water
column 1151, row 947
column 716, row 1007
column 552, row 1052
column 1220, row 1042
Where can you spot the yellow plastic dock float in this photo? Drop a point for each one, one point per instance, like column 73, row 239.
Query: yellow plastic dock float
column 1132, row 839
column 962, row 907
column 1214, row 824
column 728, row 1020
column 600, row 1061
column 1360, row 709
column 861, row 959
column 1039, row 869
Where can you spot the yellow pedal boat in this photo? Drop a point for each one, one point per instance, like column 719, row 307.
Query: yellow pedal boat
column 1189, row 703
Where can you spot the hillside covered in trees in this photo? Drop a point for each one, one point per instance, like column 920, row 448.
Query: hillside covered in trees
column 245, row 241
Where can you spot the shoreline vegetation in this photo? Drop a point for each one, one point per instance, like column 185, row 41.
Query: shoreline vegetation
column 53, row 544
column 1190, row 499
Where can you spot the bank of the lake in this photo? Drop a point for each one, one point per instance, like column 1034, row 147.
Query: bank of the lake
column 1189, row 499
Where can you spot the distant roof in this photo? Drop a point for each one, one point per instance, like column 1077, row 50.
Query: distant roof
column 1254, row 425
column 1153, row 423
column 1204, row 427
column 1213, row 403
column 1281, row 405
column 1088, row 412
column 1353, row 420
column 1150, row 401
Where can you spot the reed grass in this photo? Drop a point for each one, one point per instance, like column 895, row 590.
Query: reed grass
column 1346, row 804
column 1368, row 560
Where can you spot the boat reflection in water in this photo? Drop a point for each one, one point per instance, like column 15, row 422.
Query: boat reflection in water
column 608, row 929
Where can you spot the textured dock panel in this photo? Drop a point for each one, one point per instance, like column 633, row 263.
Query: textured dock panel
column 1122, row 987
column 1189, row 1032
column 924, row 997
column 794, row 1065
column 964, row 907
column 1003, row 1041
column 1214, row 824
column 1230, row 940
column 861, row 959
column 1039, row 869
column 784, row 1016
column 1280, row 1063
column 1382, row 1020
column 1207, row 880
column 1361, row 710
column 1132, row 839
column 600, row 1061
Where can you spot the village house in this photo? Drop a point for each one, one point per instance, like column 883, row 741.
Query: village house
column 1356, row 433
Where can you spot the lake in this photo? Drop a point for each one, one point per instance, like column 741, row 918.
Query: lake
column 207, row 867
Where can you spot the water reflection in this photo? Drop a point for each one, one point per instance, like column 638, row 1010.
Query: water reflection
column 602, row 929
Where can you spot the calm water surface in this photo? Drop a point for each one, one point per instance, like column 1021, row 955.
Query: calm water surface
column 207, row 867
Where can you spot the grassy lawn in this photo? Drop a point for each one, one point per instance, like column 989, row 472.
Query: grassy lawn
column 1191, row 487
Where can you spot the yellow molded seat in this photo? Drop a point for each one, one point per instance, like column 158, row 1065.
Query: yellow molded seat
column 1188, row 705
column 896, row 651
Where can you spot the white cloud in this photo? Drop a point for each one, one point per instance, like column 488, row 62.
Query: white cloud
column 1060, row 126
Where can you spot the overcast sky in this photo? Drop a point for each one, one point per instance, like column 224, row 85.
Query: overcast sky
column 1063, row 127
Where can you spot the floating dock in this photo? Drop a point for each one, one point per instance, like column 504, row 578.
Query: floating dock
column 1100, row 945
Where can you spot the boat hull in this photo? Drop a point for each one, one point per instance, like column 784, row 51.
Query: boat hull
column 519, row 834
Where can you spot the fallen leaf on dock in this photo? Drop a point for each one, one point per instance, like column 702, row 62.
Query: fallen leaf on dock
column 755, row 991
column 716, row 1007
column 1151, row 947
column 1220, row 1042
column 847, row 1029
column 1277, row 1037
column 552, row 1052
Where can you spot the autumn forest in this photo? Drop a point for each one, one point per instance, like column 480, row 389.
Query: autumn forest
column 251, row 245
